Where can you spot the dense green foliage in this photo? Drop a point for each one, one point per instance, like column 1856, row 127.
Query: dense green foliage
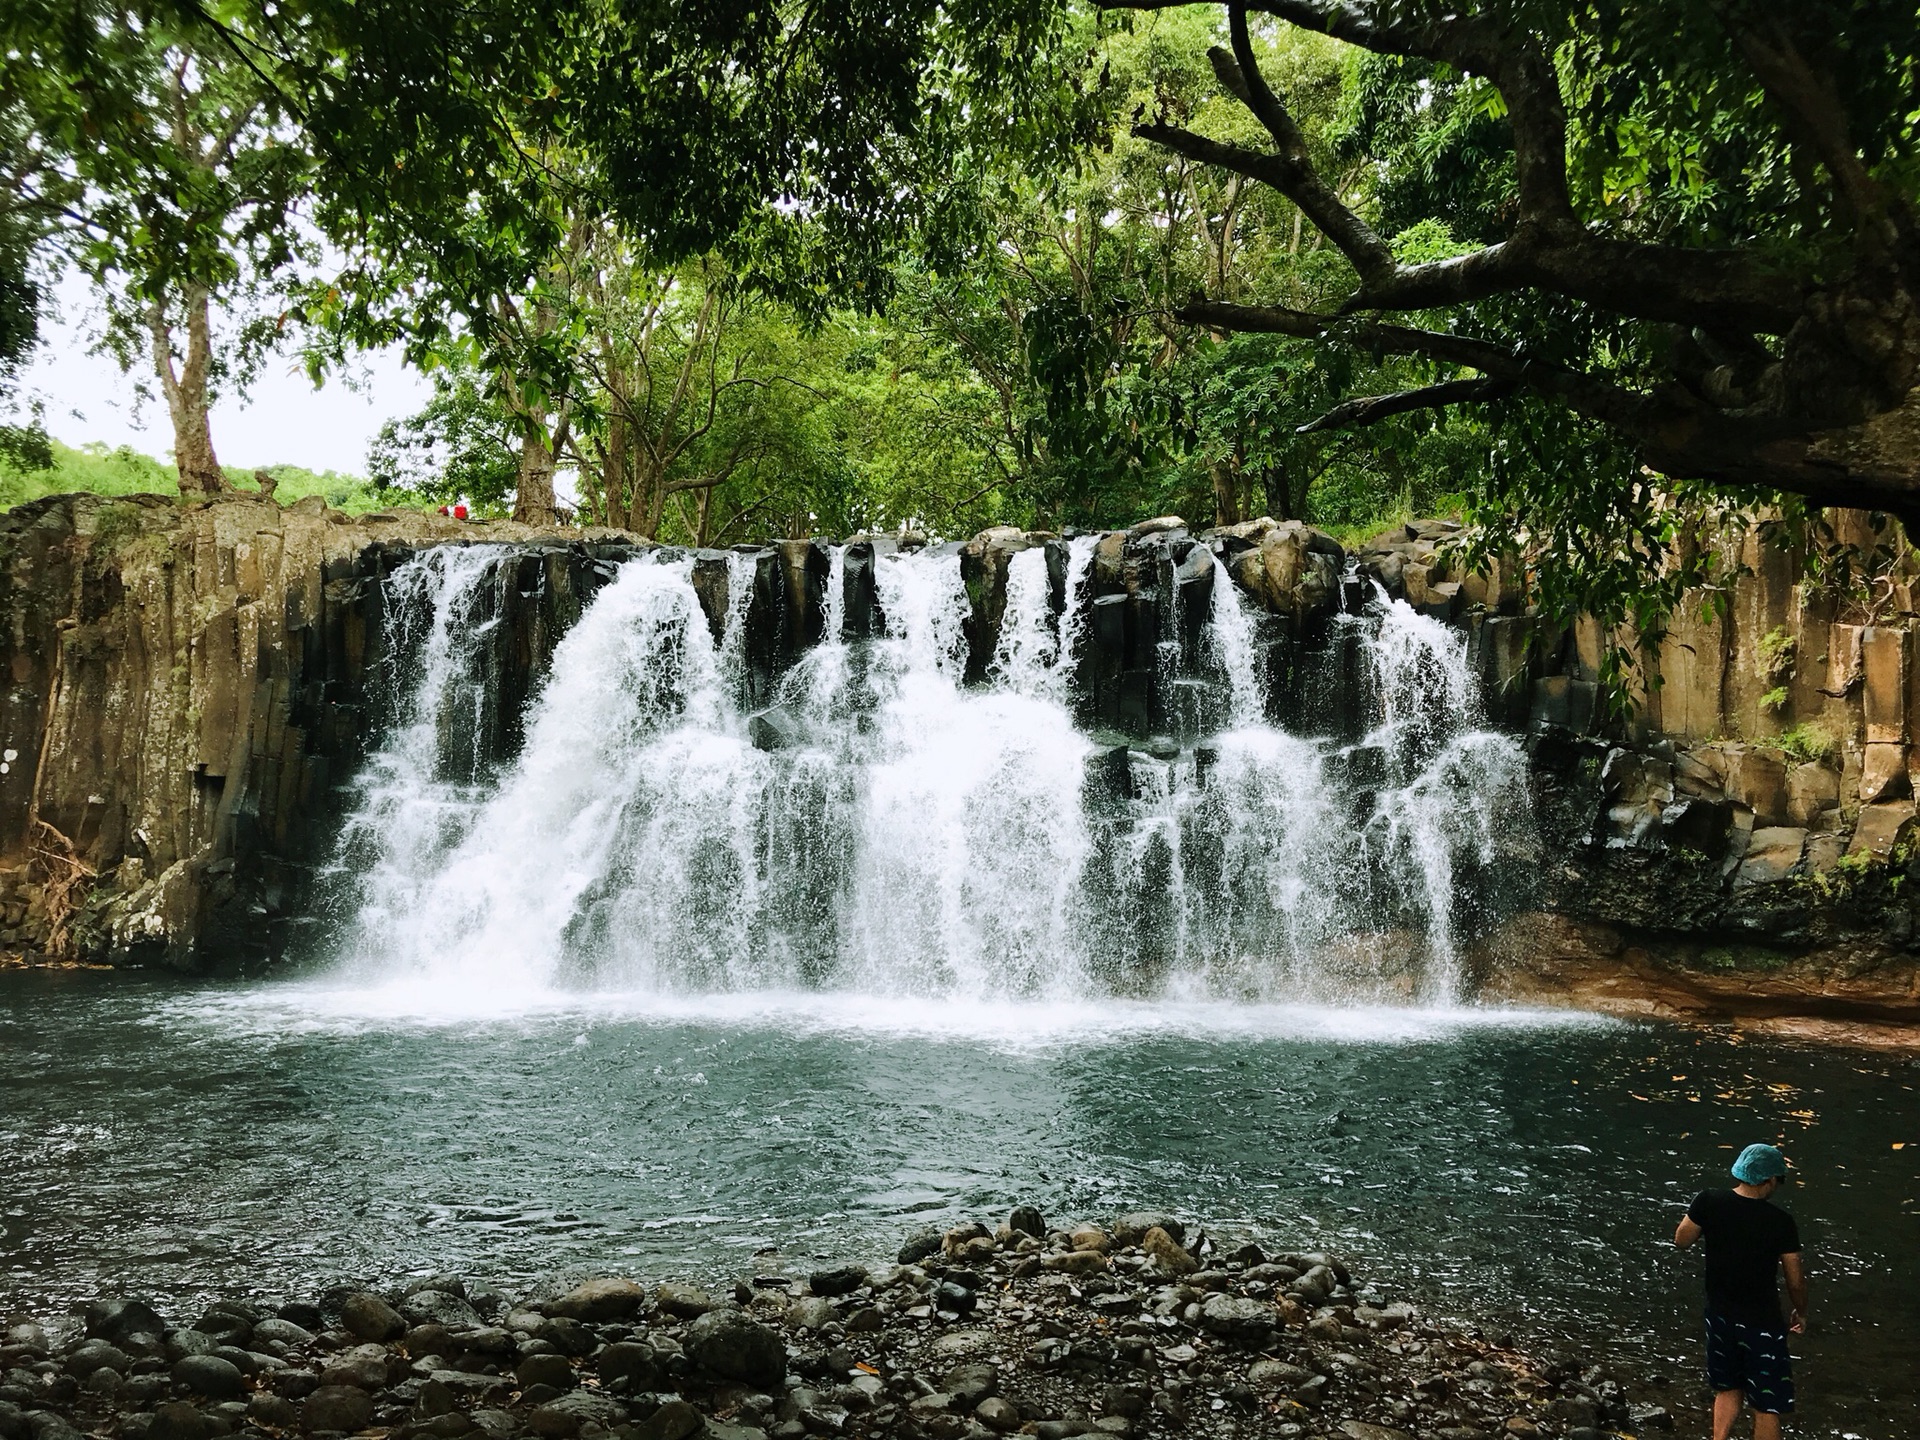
column 1592, row 274
column 124, row 471
column 1039, row 378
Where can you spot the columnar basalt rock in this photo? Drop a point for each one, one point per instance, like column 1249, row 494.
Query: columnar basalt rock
column 189, row 685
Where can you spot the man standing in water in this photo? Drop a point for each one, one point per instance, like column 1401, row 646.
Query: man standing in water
column 1748, row 1242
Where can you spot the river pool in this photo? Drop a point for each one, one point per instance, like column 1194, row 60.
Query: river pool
column 182, row 1140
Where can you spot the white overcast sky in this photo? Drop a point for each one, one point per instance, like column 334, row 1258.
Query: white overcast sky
column 282, row 421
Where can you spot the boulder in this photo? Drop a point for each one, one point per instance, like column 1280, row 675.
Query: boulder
column 371, row 1318
column 209, row 1375
column 1158, row 525
column 116, row 1319
column 1757, row 779
column 267, row 1408
column 841, row 1281
column 956, row 1240
column 365, row 1368
column 1234, row 1317
column 337, row 1407
column 727, row 1344
column 812, row 1312
column 275, row 1330
column 566, row 1416
column 554, row 1370
column 921, row 1245
column 1090, row 1237
column 997, row 1414
column 1294, row 571
column 1132, row 1229
column 1883, row 774
column 1881, row 827
column 440, row 1307
column 675, row 1420
column 46, row 1425
column 630, row 1361
column 1812, row 790
column 598, row 1301
column 684, row 1302
column 1771, row 855
column 567, row 1336
column 775, row 729
column 90, row 1355
column 177, row 1420
column 1028, row 1220
column 226, row 1325
column 1167, row 1254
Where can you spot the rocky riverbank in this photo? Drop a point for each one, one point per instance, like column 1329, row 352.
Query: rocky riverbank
column 1137, row 1328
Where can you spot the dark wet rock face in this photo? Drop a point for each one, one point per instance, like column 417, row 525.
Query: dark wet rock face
column 1139, row 1328
column 226, row 665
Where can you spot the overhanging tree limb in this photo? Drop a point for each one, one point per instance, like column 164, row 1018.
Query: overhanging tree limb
column 1549, row 249
column 1294, row 175
column 1366, row 409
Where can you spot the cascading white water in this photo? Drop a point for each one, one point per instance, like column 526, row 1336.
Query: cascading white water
column 1037, row 647
column 1234, row 652
column 914, row 836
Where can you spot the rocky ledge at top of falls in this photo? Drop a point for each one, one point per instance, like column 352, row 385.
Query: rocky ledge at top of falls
column 1128, row 1330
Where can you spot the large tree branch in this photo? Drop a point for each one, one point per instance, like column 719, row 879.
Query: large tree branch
column 1513, row 59
column 1667, row 283
column 1300, row 182
column 1815, row 117
column 1634, row 412
column 1366, row 409
column 1366, row 334
column 1549, row 250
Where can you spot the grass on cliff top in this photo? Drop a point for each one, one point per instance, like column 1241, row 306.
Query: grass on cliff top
column 125, row 471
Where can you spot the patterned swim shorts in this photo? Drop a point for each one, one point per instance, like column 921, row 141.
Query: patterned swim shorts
column 1746, row 1357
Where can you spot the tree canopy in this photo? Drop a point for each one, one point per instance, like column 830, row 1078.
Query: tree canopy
column 1579, row 270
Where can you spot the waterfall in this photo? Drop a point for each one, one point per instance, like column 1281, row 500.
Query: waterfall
column 1028, row 659
column 1234, row 652
column 419, row 792
column 906, row 834
column 1038, row 647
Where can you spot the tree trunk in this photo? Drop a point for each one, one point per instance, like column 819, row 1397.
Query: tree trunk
column 533, row 497
column 186, row 392
column 648, row 500
column 1226, row 498
column 1279, row 494
column 613, row 472
column 656, row 506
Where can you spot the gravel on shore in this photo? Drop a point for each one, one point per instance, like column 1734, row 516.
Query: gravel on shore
column 1131, row 1329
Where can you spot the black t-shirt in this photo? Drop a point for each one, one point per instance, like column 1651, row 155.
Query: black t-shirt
column 1745, row 1239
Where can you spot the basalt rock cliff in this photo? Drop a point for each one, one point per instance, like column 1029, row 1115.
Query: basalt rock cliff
column 188, row 686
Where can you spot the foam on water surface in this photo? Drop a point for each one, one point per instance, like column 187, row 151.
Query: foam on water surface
column 404, row 1006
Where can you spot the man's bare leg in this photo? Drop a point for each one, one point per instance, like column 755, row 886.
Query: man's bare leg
column 1726, row 1410
column 1766, row 1427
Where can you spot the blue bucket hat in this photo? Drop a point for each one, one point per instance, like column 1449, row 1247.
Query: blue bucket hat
column 1758, row 1164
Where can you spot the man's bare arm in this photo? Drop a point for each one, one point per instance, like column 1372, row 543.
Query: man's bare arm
column 1796, row 1291
column 1688, row 1233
